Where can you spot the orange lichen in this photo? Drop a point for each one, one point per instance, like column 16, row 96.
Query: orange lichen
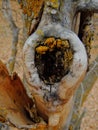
column 31, row 10
column 40, row 127
column 40, row 32
column 71, row 127
column 51, row 43
column 30, row 6
column 54, row 3
column 59, row 43
column 65, row 43
column 41, row 49
column 69, row 54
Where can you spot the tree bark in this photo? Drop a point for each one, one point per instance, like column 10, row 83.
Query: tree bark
column 6, row 8
column 56, row 22
column 86, row 30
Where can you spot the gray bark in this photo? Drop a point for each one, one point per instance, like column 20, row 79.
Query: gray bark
column 89, row 5
column 66, row 11
column 53, row 20
column 6, row 8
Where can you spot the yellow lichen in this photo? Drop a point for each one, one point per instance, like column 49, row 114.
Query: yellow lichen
column 30, row 6
column 42, row 49
column 70, row 127
column 59, row 43
column 87, row 30
column 54, row 3
column 69, row 54
column 40, row 32
column 65, row 43
column 3, row 113
column 49, row 41
column 31, row 9
column 40, row 127
column 52, row 43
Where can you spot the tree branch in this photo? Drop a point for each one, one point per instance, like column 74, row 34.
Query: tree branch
column 91, row 5
column 82, row 92
column 86, row 29
column 6, row 8
column 32, row 12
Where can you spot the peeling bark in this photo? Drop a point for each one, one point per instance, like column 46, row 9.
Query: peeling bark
column 13, row 99
column 15, row 104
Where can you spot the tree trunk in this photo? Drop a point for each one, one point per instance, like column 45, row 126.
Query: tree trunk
column 54, row 99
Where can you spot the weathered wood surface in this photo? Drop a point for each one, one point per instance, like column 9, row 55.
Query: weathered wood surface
column 13, row 100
